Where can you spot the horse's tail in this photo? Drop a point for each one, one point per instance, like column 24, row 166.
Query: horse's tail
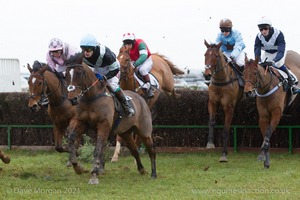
column 175, row 70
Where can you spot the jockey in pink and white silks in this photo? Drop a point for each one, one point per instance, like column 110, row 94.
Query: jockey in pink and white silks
column 58, row 53
column 141, row 59
column 105, row 66
column 272, row 42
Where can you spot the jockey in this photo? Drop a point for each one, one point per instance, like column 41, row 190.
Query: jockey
column 58, row 53
column 232, row 43
column 105, row 66
column 141, row 59
column 272, row 42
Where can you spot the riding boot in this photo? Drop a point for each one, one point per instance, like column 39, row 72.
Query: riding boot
column 150, row 89
column 291, row 81
column 121, row 97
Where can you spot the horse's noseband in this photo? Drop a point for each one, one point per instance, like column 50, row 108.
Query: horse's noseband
column 71, row 88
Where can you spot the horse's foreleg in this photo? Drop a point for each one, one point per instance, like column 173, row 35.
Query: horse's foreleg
column 58, row 136
column 211, row 124
column 4, row 158
column 115, row 157
column 227, row 124
column 148, row 142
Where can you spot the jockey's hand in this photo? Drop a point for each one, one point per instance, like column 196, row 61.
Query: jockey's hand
column 99, row 76
column 133, row 63
column 269, row 63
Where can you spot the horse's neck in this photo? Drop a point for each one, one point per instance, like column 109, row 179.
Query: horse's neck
column 54, row 87
column 128, row 82
column 221, row 70
column 265, row 78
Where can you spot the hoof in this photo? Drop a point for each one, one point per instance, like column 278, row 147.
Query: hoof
column 69, row 164
column 223, row 159
column 114, row 159
column 210, row 146
column 261, row 158
column 6, row 159
column 78, row 169
column 94, row 180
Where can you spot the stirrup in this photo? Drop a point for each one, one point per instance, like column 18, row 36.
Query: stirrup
column 295, row 89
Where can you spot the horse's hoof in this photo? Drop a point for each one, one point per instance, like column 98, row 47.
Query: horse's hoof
column 210, row 146
column 223, row 159
column 266, row 165
column 78, row 169
column 6, row 159
column 261, row 158
column 69, row 164
column 94, row 179
column 143, row 171
column 114, row 159
column 101, row 171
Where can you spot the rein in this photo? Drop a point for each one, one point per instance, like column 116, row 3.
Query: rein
column 44, row 90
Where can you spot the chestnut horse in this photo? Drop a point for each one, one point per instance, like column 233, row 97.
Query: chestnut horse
column 43, row 82
column 271, row 97
column 4, row 158
column 98, row 110
column 223, row 90
column 163, row 71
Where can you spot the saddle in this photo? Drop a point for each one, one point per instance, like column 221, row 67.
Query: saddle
column 237, row 70
column 153, row 81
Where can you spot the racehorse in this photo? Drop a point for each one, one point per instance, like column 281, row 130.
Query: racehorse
column 4, row 158
column 163, row 72
column 98, row 110
column 271, row 97
column 223, row 90
column 43, row 82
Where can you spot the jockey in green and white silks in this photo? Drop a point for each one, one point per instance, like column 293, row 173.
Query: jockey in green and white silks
column 140, row 56
column 105, row 66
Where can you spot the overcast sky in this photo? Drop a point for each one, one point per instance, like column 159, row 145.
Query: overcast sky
column 176, row 29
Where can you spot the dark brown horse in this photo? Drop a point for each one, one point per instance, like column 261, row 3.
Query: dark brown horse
column 163, row 71
column 271, row 98
column 96, row 110
column 43, row 82
column 223, row 90
column 5, row 158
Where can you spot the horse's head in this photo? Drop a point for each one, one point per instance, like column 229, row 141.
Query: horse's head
column 126, row 69
column 37, row 84
column 251, row 76
column 79, row 77
column 212, row 54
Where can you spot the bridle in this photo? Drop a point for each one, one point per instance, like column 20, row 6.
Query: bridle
column 44, row 89
column 218, row 67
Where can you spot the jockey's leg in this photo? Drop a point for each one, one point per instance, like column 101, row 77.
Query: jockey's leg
column 150, row 90
column 291, row 80
column 121, row 97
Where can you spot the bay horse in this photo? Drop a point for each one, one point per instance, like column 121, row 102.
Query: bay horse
column 5, row 158
column 223, row 90
column 271, row 97
column 43, row 82
column 163, row 71
column 97, row 110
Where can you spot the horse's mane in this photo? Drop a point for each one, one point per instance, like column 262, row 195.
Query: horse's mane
column 75, row 59
column 37, row 65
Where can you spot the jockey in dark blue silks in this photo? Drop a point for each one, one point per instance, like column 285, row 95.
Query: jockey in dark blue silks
column 105, row 66
column 272, row 42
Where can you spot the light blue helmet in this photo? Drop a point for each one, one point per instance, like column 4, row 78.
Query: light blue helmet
column 88, row 41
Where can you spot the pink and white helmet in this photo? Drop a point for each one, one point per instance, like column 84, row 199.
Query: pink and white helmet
column 128, row 36
column 55, row 44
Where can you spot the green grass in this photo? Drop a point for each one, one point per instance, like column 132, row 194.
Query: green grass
column 44, row 175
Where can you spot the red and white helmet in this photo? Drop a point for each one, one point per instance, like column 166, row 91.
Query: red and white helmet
column 55, row 44
column 128, row 36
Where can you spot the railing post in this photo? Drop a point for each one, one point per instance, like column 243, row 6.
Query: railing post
column 235, row 139
column 290, row 140
column 8, row 137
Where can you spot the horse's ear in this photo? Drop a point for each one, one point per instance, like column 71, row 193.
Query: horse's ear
column 256, row 59
column 219, row 45
column 122, row 49
column 29, row 68
column 206, row 43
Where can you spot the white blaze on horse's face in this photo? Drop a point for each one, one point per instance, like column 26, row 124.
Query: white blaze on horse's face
column 71, row 87
column 33, row 80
